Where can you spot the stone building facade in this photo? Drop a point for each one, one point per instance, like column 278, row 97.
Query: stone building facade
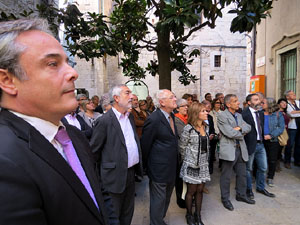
column 17, row 6
column 215, row 44
column 278, row 49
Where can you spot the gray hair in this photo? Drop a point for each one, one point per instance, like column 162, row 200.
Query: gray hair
column 10, row 50
column 105, row 102
column 206, row 102
column 228, row 98
column 159, row 95
column 272, row 105
column 181, row 102
column 80, row 96
column 115, row 91
column 286, row 93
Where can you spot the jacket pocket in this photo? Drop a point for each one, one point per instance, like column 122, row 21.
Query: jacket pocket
column 109, row 165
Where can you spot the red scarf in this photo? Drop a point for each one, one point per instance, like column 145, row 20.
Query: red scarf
column 182, row 117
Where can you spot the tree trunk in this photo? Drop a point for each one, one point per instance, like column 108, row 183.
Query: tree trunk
column 163, row 55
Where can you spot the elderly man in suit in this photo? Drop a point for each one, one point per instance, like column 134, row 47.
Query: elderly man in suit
column 256, row 150
column 160, row 154
column 233, row 151
column 116, row 146
column 47, row 175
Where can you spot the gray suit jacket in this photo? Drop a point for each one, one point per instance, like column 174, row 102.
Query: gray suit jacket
column 226, row 123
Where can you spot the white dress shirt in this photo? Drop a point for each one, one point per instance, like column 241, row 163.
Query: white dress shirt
column 253, row 112
column 127, row 130
column 72, row 120
column 46, row 128
column 290, row 108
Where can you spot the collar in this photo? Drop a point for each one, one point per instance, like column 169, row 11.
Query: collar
column 252, row 110
column 182, row 117
column 165, row 113
column 46, row 128
column 118, row 114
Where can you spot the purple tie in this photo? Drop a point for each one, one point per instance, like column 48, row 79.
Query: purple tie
column 63, row 138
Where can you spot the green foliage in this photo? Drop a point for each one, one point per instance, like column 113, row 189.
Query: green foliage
column 127, row 30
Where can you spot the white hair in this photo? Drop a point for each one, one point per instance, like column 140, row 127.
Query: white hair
column 181, row 102
column 159, row 95
column 115, row 91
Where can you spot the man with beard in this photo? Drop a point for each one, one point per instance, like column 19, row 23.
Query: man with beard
column 116, row 147
column 254, row 141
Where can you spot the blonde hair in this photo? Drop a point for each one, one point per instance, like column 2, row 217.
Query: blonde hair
column 193, row 113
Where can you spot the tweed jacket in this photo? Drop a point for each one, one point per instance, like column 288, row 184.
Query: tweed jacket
column 190, row 146
column 229, row 136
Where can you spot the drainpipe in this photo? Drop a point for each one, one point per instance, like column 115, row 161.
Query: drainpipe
column 200, row 74
column 253, row 50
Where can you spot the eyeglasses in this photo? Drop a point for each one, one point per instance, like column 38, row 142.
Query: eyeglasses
column 183, row 106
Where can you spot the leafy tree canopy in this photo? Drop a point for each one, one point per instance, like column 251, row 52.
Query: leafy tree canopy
column 128, row 30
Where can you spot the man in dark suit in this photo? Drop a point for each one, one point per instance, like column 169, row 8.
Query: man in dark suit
column 47, row 176
column 116, row 147
column 160, row 154
column 75, row 120
column 254, row 141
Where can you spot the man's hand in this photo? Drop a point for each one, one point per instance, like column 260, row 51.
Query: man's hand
column 237, row 128
column 211, row 136
column 268, row 137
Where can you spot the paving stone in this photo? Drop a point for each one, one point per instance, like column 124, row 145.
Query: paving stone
column 284, row 209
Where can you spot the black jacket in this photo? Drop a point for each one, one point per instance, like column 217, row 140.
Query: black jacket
column 251, row 137
column 109, row 147
column 37, row 185
column 160, row 148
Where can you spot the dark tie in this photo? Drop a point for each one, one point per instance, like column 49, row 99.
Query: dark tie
column 63, row 138
column 258, row 126
column 172, row 124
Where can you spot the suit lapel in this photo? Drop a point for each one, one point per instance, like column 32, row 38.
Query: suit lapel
column 89, row 168
column 251, row 117
column 231, row 118
column 117, row 126
column 40, row 146
column 165, row 121
column 49, row 154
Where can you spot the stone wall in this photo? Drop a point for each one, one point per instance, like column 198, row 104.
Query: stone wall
column 229, row 78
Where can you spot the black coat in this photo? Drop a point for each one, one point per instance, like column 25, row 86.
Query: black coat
column 109, row 147
column 85, row 128
column 251, row 137
column 37, row 185
column 160, row 148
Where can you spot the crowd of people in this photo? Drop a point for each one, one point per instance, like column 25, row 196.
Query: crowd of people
column 67, row 160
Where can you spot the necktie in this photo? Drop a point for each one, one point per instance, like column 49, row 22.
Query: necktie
column 63, row 138
column 258, row 126
column 172, row 124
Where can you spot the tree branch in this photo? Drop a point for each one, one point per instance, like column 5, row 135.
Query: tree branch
column 156, row 5
column 150, row 24
column 149, row 42
column 148, row 47
column 184, row 38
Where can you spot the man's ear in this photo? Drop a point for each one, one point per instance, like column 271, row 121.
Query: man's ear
column 161, row 103
column 116, row 98
column 7, row 82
